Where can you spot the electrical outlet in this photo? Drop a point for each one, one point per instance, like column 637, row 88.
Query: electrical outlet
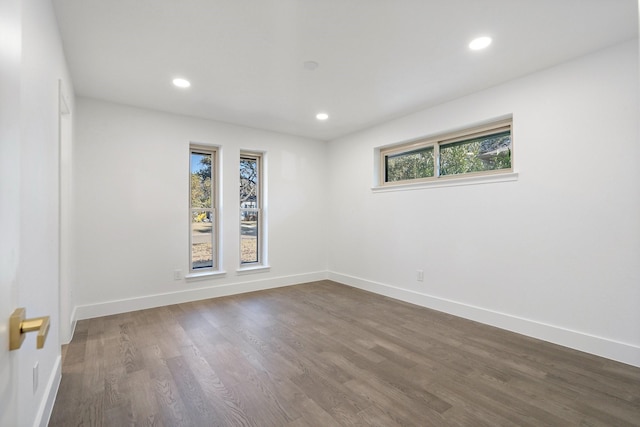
column 420, row 275
column 177, row 274
column 35, row 377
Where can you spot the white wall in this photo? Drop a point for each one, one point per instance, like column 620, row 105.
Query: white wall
column 555, row 254
column 43, row 65
column 131, row 207
column 66, row 227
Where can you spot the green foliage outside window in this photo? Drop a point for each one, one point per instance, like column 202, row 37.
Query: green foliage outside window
column 486, row 153
column 202, row 207
column 411, row 165
column 480, row 154
column 201, row 181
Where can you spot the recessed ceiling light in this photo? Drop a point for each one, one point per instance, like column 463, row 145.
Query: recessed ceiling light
column 322, row 116
column 181, row 83
column 480, row 43
column 310, row 65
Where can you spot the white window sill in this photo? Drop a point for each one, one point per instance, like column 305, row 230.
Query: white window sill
column 205, row 275
column 253, row 269
column 448, row 182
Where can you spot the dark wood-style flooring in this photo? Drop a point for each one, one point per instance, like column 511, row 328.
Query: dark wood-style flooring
column 323, row 354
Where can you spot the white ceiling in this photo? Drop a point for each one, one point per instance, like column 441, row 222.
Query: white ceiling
column 379, row 59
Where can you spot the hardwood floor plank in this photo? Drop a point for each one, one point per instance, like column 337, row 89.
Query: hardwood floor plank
column 115, row 388
column 191, row 394
column 172, row 408
column 313, row 415
column 90, row 411
column 115, row 416
column 76, row 349
column 376, row 417
column 324, row 354
column 405, row 411
column 260, row 405
column 69, row 397
column 144, row 407
column 224, row 404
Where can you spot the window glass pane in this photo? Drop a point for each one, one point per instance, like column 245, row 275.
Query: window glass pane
column 248, row 183
column 489, row 152
column 248, row 236
column 409, row 165
column 201, row 184
column 201, row 239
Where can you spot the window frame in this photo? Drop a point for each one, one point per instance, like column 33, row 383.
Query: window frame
column 258, row 157
column 213, row 209
column 439, row 141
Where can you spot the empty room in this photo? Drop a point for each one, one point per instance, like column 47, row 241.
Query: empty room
column 319, row 213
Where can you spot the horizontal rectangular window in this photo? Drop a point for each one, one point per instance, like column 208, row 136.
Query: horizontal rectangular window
column 476, row 151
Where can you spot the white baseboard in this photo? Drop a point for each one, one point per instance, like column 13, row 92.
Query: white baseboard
column 615, row 350
column 67, row 335
column 619, row 351
column 150, row 301
column 49, row 397
column 74, row 322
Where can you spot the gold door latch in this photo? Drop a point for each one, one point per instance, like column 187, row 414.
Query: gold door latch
column 19, row 325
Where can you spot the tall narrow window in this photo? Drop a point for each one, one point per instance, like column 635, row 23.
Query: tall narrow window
column 251, row 232
column 202, row 209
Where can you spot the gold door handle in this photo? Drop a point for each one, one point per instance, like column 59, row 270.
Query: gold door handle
column 19, row 326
